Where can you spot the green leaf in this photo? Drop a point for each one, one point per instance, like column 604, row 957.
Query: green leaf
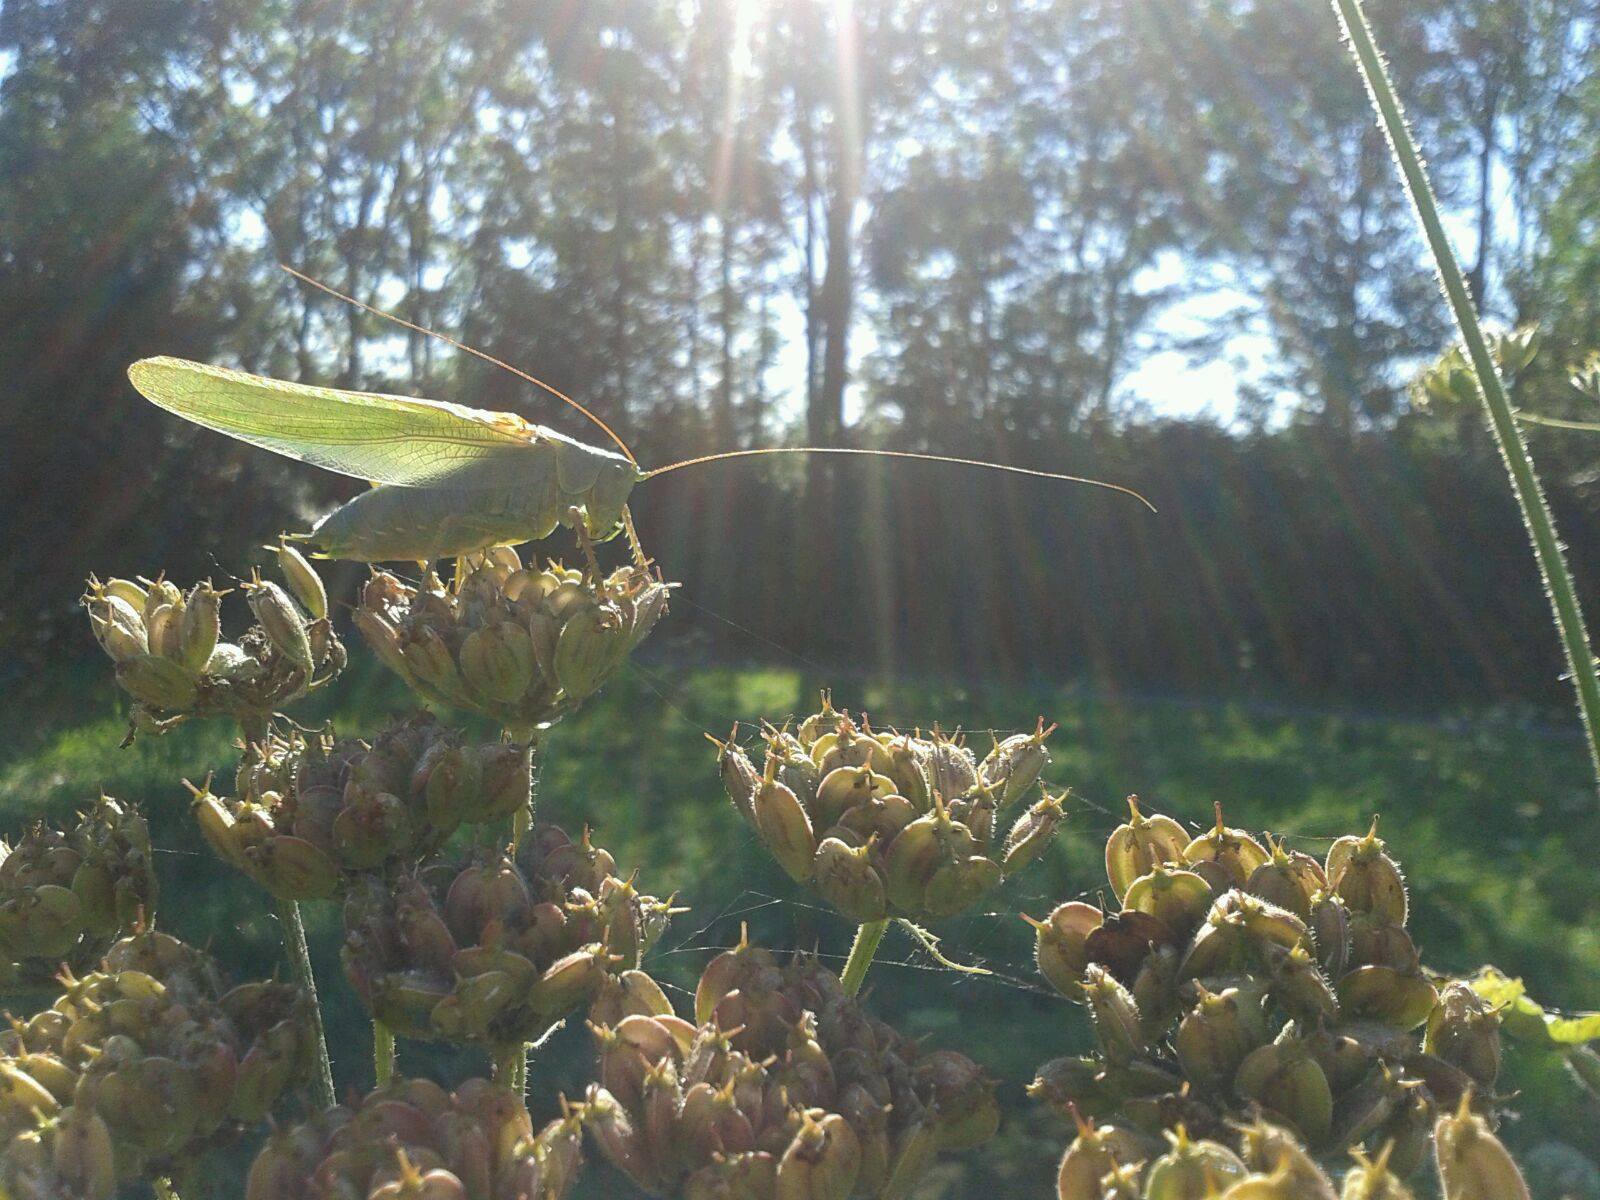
column 1524, row 1019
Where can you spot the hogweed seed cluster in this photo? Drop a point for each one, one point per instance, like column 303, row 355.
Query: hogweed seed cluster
column 66, row 894
column 521, row 644
column 495, row 950
column 1259, row 1016
column 172, row 660
column 309, row 815
column 883, row 824
column 138, row 1066
column 782, row 1086
column 1241, row 985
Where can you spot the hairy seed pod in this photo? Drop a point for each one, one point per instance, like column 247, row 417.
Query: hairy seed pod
column 1366, row 878
column 1465, row 1032
column 1234, row 851
column 1473, row 1164
column 1139, row 844
column 1284, row 1079
column 302, row 579
column 201, row 627
column 1191, row 1170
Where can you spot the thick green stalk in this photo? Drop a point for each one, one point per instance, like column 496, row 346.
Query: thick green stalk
column 294, row 941
column 1524, row 479
column 383, row 1055
column 861, row 952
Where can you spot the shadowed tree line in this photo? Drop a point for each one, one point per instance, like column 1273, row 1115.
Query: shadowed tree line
column 910, row 223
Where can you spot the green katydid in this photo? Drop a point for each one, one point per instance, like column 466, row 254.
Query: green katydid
column 449, row 479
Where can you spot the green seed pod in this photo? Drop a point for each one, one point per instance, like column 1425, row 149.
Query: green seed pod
column 1270, row 1150
column 1094, row 1154
column 497, row 662
column 1014, row 765
column 1289, row 879
column 1191, row 1170
column 1284, row 1079
column 1473, row 1164
column 1115, row 1015
column 201, row 627
column 283, row 622
column 821, row 1163
column 1030, row 836
column 956, row 886
column 846, row 878
column 739, row 777
column 1140, row 844
column 1217, row 1034
column 1061, row 945
column 1237, row 853
column 160, row 683
column 1465, row 1032
column 1367, row 879
column 303, row 580
column 1299, row 985
column 1384, row 994
column 1371, row 1179
column 1178, row 899
column 784, row 826
column 118, row 624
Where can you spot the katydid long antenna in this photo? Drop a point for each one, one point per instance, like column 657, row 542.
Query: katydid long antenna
column 725, row 454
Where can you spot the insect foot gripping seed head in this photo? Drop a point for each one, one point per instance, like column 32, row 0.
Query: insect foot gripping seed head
column 171, row 659
column 412, row 1140
column 521, row 644
column 149, row 1059
column 308, row 816
column 495, row 950
column 1472, row 1162
column 1212, row 1004
column 884, row 824
column 65, row 895
column 782, row 1087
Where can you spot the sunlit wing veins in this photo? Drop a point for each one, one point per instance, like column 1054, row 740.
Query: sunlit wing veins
column 385, row 439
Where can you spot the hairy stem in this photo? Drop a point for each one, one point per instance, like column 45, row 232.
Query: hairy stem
column 1502, row 420
column 294, row 941
column 162, row 1186
column 383, row 1055
column 861, row 952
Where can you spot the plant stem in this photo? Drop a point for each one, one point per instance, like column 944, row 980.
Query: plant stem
column 1502, row 420
column 861, row 952
column 294, row 941
column 162, row 1186
column 510, row 1067
column 383, row 1056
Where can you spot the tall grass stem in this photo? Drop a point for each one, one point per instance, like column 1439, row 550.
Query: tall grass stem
column 294, row 941
column 1536, row 514
column 861, row 952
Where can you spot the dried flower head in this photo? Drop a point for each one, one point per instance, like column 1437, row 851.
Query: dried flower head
column 153, row 1050
column 311, row 814
column 887, row 824
column 521, row 644
column 494, row 951
column 65, row 895
column 411, row 1138
column 783, row 1086
column 1238, row 977
column 171, row 659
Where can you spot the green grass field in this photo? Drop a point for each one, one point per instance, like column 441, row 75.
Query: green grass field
column 1496, row 824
